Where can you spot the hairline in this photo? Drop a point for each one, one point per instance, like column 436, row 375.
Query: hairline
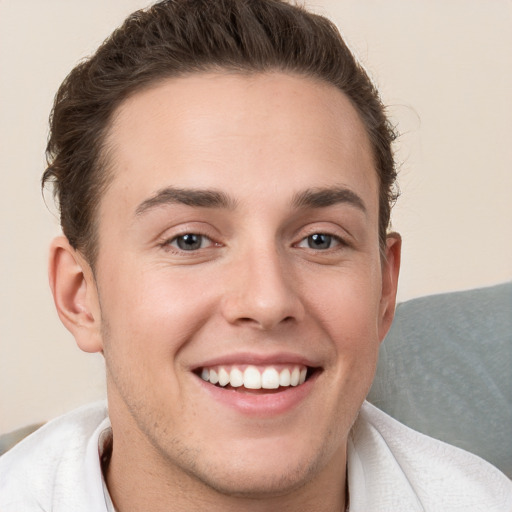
column 105, row 165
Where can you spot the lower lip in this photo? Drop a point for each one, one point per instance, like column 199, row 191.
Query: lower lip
column 265, row 404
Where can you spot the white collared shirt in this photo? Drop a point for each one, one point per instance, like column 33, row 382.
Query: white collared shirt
column 391, row 468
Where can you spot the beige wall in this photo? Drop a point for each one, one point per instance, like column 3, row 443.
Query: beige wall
column 445, row 69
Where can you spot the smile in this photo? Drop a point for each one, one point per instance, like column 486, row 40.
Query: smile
column 261, row 388
column 252, row 377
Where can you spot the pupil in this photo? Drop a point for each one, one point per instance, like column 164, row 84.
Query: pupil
column 319, row 241
column 189, row 242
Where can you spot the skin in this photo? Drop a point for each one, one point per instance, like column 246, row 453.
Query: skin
column 254, row 288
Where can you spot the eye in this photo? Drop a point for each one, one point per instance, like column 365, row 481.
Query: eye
column 319, row 241
column 190, row 242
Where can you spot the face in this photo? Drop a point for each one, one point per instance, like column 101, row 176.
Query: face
column 239, row 241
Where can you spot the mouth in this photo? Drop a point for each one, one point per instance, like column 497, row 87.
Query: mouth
column 256, row 379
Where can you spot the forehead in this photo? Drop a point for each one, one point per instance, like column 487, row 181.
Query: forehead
column 252, row 133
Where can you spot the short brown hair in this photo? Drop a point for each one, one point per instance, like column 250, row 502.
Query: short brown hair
column 178, row 37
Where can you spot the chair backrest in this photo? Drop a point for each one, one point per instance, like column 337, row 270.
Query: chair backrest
column 7, row 441
column 445, row 369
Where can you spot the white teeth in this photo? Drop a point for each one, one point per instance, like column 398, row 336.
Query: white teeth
column 270, row 379
column 252, row 378
column 236, row 378
column 255, row 378
column 214, row 378
column 284, row 377
column 294, row 379
column 223, row 377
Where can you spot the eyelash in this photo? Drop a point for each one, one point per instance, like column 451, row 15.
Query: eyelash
column 338, row 241
column 174, row 242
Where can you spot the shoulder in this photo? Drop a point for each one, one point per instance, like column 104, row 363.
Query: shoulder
column 392, row 467
column 51, row 461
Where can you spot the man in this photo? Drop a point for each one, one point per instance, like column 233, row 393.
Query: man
column 225, row 178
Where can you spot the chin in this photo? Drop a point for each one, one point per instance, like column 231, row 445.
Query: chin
column 262, row 469
column 265, row 481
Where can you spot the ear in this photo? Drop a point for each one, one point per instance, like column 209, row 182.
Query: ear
column 390, row 271
column 75, row 294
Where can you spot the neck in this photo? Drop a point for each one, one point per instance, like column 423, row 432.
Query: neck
column 147, row 484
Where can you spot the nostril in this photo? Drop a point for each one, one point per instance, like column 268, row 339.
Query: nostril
column 247, row 320
column 264, row 323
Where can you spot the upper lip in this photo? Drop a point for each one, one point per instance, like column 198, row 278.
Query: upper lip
column 257, row 359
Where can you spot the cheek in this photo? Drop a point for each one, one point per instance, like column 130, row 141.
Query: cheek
column 348, row 313
column 347, row 305
column 148, row 319
column 152, row 312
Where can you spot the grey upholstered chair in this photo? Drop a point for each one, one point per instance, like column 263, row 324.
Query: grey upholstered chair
column 445, row 369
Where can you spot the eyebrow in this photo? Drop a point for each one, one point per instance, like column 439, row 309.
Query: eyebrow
column 323, row 197
column 200, row 198
column 211, row 198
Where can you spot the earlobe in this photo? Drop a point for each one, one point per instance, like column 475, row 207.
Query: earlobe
column 390, row 272
column 75, row 294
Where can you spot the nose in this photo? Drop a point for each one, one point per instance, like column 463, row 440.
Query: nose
column 262, row 292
